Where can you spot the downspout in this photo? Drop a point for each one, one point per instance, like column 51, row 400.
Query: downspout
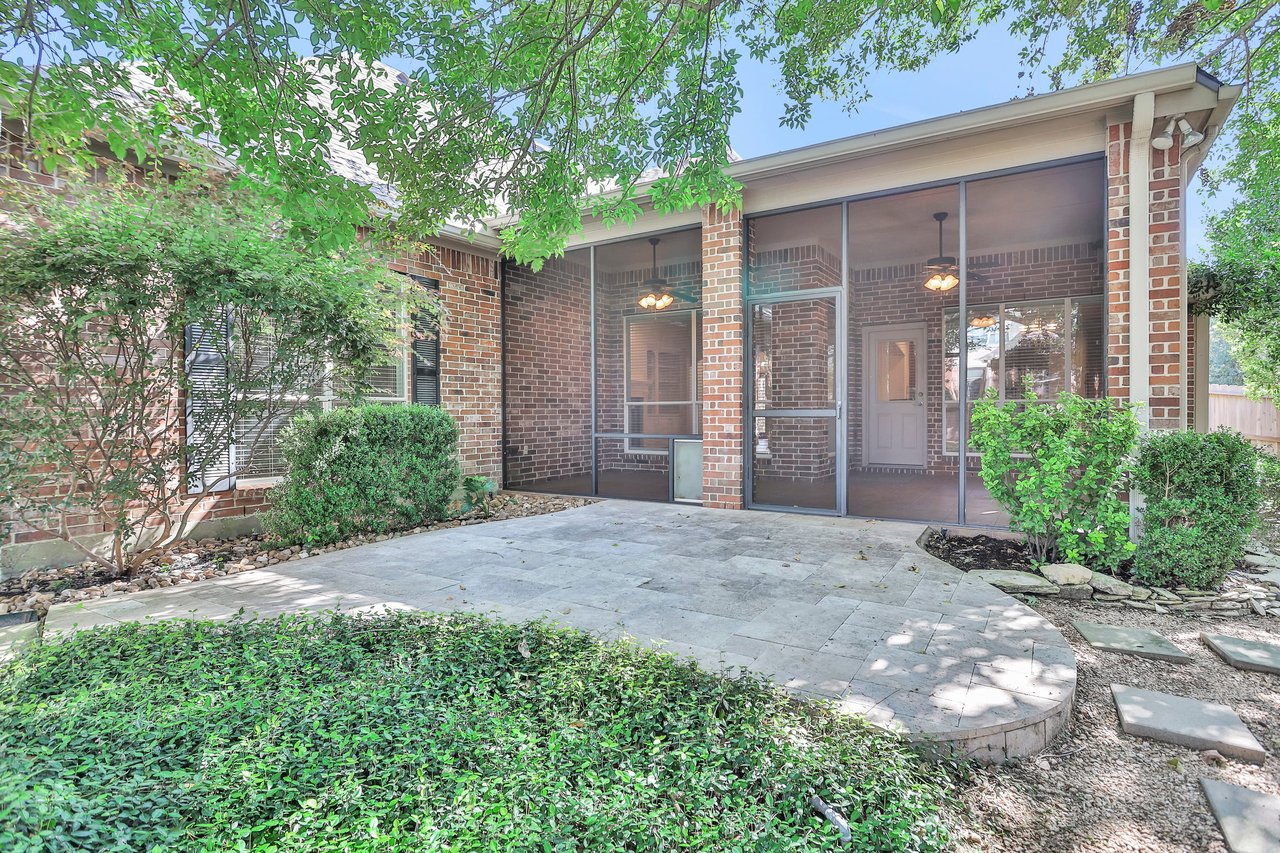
column 502, row 364
column 1144, row 116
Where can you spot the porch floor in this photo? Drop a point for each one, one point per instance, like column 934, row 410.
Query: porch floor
column 847, row 610
column 872, row 493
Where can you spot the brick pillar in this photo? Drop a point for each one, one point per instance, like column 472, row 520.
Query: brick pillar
column 723, row 332
column 1118, row 139
column 1168, row 297
column 1167, row 402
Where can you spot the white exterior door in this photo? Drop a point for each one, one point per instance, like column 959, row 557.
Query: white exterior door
column 894, row 386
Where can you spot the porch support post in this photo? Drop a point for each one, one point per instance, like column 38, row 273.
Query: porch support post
column 1140, row 255
column 723, row 331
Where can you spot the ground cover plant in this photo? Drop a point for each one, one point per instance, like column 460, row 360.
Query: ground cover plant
column 429, row 732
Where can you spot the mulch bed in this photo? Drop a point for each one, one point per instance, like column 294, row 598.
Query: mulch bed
column 970, row 553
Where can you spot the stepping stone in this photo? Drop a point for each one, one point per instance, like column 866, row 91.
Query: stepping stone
column 1131, row 641
column 1244, row 654
column 1185, row 722
column 1250, row 820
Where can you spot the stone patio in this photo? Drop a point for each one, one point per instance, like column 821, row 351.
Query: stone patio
column 846, row 610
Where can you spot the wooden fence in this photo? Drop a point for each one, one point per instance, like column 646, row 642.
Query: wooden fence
column 1256, row 420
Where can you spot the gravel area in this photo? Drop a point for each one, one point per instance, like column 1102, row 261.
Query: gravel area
column 1098, row 789
column 189, row 560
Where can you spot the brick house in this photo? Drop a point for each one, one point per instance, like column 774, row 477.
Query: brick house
column 816, row 350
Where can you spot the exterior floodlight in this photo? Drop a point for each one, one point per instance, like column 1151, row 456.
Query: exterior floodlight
column 1164, row 141
column 1190, row 136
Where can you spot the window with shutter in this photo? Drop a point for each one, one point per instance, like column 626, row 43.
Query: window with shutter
column 211, row 457
column 425, row 354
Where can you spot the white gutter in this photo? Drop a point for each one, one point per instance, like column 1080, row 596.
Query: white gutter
column 1144, row 109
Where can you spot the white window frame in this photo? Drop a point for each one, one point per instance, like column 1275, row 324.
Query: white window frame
column 998, row 309
column 327, row 399
column 694, row 406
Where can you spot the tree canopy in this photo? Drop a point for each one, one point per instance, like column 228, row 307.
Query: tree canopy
column 520, row 105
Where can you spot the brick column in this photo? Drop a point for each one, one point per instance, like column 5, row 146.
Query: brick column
column 1118, row 139
column 1168, row 296
column 723, row 333
column 1167, row 402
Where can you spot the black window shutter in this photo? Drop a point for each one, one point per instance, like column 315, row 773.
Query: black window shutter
column 425, row 364
column 207, row 379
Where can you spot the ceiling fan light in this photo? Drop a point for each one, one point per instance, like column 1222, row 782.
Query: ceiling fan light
column 649, row 300
column 941, row 282
column 982, row 321
column 664, row 301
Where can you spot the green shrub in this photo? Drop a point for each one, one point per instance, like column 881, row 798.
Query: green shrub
column 1203, row 497
column 421, row 732
column 477, row 495
column 364, row 469
column 1057, row 468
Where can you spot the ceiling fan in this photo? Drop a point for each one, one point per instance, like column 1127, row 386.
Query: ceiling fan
column 942, row 271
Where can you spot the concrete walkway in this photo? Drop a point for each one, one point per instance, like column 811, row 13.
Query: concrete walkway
column 848, row 610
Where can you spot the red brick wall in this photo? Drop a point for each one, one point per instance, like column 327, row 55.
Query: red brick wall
column 722, row 358
column 548, row 371
column 1170, row 387
column 470, row 350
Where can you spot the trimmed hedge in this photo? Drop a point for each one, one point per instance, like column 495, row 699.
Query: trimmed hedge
column 1203, row 496
column 364, row 469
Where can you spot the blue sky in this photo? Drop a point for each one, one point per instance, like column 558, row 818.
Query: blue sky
column 984, row 72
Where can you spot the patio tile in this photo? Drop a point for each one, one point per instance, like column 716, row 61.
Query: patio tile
column 501, row 588
column 1187, row 722
column 1250, row 820
column 793, row 623
column 677, row 625
column 807, row 670
column 1244, row 654
column 913, row 671
column 908, row 641
column 779, row 568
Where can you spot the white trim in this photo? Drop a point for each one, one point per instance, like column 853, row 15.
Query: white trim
column 695, row 409
column 1140, row 255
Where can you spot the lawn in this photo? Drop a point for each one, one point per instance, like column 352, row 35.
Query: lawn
column 429, row 732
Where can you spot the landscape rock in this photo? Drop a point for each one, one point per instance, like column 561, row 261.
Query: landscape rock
column 1010, row 581
column 1076, row 591
column 1066, row 574
column 1108, row 585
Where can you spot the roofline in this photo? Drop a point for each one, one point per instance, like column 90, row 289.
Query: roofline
column 1107, row 94
column 1093, row 96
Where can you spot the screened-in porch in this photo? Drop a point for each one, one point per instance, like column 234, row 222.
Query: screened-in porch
column 603, row 363
column 870, row 327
